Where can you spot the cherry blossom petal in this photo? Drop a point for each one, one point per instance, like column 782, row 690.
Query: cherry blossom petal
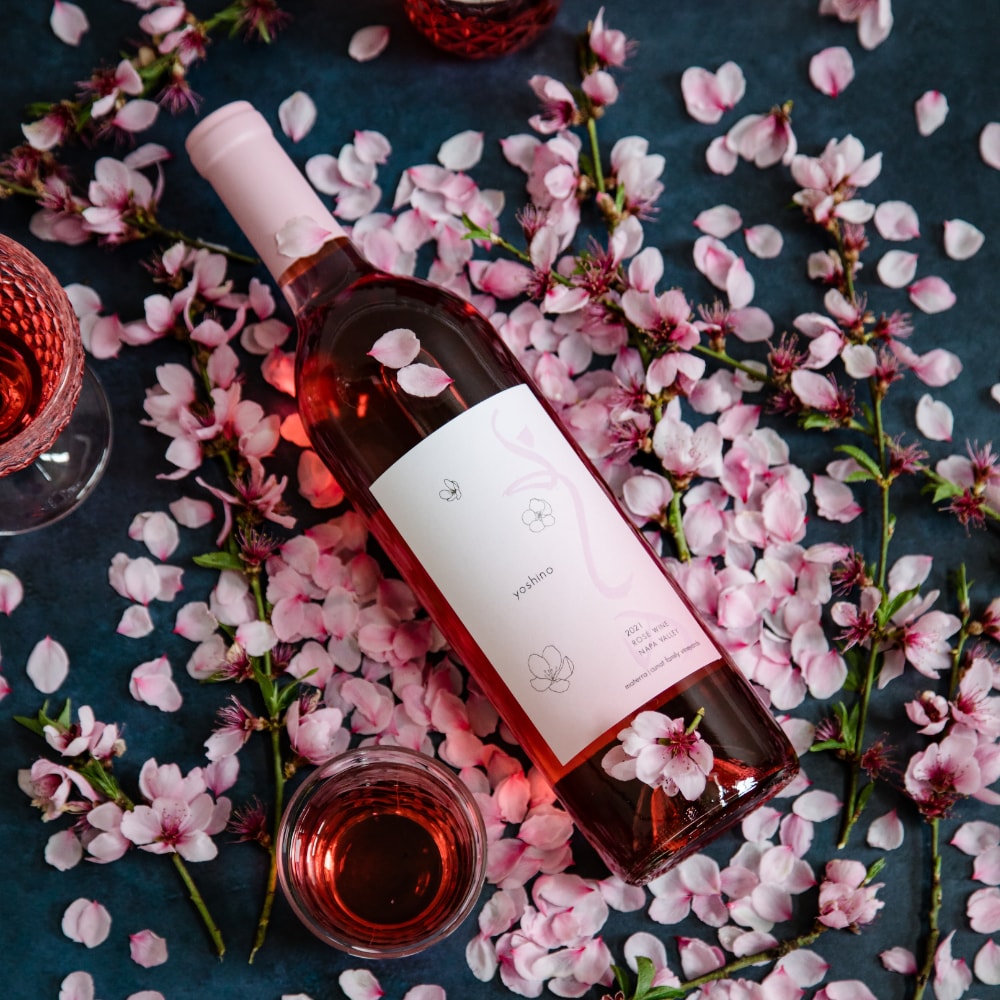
column 63, row 850
column 77, row 986
column 932, row 294
column 934, row 419
column 297, row 115
column 360, row 984
column 897, row 268
column 301, row 237
column 720, row 221
column 962, row 239
column 316, row 481
column 462, row 151
column 396, row 348
column 368, row 43
column 152, row 683
column 931, row 109
column 900, row 960
column 987, row 963
column 989, row 144
column 87, row 922
column 897, row 220
column 68, row 22
column 886, row 832
column 952, row 976
column 983, row 910
column 191, row 513
column 135, row 622
column 831, row 70
column 147, row 948
column 423, row 380
column 764, row 241
column 48, row 665
column 11, row 591
column 721, row 158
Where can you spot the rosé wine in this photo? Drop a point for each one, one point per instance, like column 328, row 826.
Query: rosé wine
column 476, row 490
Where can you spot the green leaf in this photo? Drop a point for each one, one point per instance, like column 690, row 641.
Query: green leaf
column 219, row 560
column 828, row 745
column 889, row 608
column 862, row 458
column 812, row 421
column 644, row 976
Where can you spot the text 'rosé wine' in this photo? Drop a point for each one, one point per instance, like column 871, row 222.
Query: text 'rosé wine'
column 511, row 540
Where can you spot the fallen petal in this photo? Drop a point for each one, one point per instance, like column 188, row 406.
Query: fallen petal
column 831, row 70
column 297, row 115
column 462, row 151
column 48, row 665
column 147, row 948
column 989, row 144
column 897, row 268
column 764, row 241
column 934, row 419
column 722, row 159
column 68, row 22
column 423, row 380
column 931, row 110
column 962, row 239
column 720, row 221
column 897, row 220
column 87, row 922
column 368, row 43
column 11, row 591
column 932, row 295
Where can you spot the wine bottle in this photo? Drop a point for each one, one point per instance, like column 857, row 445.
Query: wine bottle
column 509, row 537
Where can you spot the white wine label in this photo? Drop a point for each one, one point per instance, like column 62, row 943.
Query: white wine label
column 570, row 607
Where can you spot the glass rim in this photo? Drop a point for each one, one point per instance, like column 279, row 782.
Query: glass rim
column 464, row 809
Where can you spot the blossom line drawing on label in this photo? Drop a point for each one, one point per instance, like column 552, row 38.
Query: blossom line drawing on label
column 550, row 670
column 452, row 491
column 539, row 515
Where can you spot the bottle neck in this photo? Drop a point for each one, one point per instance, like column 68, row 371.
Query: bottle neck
column 335, row 266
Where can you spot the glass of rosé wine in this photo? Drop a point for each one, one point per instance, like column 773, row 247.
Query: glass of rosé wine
column 55, row 422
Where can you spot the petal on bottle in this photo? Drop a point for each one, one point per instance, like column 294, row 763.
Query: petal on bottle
column 423, row 380
column 396, row 348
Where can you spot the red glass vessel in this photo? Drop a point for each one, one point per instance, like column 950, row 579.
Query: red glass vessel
column 478, row 29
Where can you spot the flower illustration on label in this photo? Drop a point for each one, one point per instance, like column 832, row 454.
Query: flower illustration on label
column 550, row 670
column 538, row 516
column 451, row 491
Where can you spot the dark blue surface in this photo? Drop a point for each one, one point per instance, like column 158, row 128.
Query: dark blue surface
column 417, row 98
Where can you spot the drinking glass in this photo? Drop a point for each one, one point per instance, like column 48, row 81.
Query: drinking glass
column 55, row 421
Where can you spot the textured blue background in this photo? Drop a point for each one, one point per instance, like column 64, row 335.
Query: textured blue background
column 418, row 98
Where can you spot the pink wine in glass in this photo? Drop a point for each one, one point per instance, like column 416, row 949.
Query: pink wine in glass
column 382, row 852
column 41, row 357
column 477, row 29
column 507, row 534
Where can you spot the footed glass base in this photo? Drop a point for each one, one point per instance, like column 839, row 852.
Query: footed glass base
column 64, row 475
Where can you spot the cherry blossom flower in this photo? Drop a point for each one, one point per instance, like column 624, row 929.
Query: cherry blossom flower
column 829, row 182
column 764, row 139
column 846, row 895
column 663, row 753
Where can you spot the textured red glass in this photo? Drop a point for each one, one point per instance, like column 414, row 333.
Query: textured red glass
column 477, row 30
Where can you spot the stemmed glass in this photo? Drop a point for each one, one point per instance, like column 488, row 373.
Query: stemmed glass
column 55, row 421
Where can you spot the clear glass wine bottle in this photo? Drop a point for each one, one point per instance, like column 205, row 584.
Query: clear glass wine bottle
column 554, row 602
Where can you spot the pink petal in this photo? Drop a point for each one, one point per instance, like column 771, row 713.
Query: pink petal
column 899, row 960
column 886, row 832
column 934, row 419
column 301, row 237
column 152, row 683
column 989, row 144
column 63, row 850
column 191, row 513
column 147, row 949
column 77, row 986
column 932, row 295
column 995, row 392
column 962, row 240
column 87, row 922
column 360, row 984
column 11, row 591
column 256, row 637
column 368, row 43
column 135, row 622
column 297, row 115
column 316, row 482
column 423, row 380
column 931, row 109
column 831, row 70
column 137, row 115
column 764, row 241
column 396, row 348
column 68, row 22
column 48, row 665
column 720, row 221
column 983, row 910
column 987, row 867
column 462, row 151
column 987, row 963
column 816, row 805
column 897, row 268
column 975, row 837
column 721, row 158
column 897, row 220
